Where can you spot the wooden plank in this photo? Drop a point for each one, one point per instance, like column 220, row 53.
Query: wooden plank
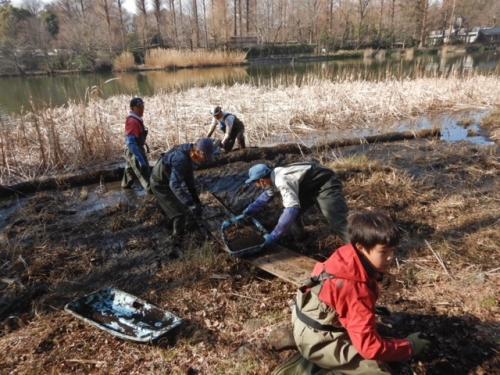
column 278, row 260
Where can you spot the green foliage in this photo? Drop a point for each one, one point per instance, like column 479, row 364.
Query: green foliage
column 51, row 23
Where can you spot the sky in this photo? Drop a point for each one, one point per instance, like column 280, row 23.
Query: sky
column 128, row 4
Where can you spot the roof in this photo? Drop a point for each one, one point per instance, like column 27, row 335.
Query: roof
column 490, row 32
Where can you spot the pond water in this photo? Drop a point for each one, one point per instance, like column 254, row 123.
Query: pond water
column 18, row 94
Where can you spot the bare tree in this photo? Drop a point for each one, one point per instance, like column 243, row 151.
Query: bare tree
column 141, row 7
column 422, row 8
column 105, row 8
column 393, row 8
column 380, row 20
column 362, row 10
column 157, row 13
column 122, row 25
column 174, row 18
column 205, row 27
column 196, row 24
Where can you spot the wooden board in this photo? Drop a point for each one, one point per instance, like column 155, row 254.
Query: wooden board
column 278, row 260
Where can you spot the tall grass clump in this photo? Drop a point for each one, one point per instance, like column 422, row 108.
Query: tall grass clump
column 124, row 62
column 160, row 58
column 76, row 135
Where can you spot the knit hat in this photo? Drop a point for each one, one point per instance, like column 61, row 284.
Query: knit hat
column 136, row 102
column 206, row 145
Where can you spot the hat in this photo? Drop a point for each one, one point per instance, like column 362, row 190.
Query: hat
column 205, row 145
column 257, row 172
column 136, row 102
column 217, row 110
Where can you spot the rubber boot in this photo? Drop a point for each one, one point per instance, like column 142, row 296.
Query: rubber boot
column 281, row 337
column 297, row 365
column 178, row 227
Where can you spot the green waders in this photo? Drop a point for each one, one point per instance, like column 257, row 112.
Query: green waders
column 321, row 186
column 170, row 204
column 323, row 343
column 133, row 170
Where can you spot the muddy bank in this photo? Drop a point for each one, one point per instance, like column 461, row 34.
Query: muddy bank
column 63, row 244
column 247, row 155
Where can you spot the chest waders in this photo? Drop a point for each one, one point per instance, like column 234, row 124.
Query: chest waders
column 319, row 336
column 237, row 133
column 322, row 340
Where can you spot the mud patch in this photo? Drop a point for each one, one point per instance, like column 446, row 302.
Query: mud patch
column 241, row 237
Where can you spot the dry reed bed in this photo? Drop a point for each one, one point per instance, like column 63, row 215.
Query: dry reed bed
column 160, row 58
column 75, row 135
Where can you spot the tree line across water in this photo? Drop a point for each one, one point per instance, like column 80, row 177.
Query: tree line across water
column 90, row 34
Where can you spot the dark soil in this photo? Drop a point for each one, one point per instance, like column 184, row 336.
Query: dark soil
column 58, row 246
column 242, row 237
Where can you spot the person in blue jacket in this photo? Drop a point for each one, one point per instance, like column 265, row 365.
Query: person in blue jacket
column 137, row 164
column 173, row 170
column 301, row 185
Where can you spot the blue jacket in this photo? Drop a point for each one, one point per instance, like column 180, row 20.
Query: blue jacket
column 179, row 163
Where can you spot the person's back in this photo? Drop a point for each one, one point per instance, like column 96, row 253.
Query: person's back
column 334, row 317
column 232, row 127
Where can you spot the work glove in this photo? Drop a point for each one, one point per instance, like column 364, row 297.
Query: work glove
column 418, row 344
column 269, row 240
column 234, row 220
column 196, row 209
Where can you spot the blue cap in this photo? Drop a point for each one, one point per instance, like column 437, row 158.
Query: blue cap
column 257, row 172
column 206, row 145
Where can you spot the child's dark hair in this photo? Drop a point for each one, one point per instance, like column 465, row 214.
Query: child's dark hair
column 371, row 228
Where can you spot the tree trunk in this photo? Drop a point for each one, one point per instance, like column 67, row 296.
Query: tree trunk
column 423, row 26
column 205, row 22
column 122, row 26
column 105, row 7
column 196, row 25
column 380, row 20
column 176, row 35
column 235, row 29
column 157, row 12
column 181, row 24
column 247, row 23
column 393, row 7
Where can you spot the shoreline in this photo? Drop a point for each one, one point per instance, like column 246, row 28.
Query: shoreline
column 266, row 60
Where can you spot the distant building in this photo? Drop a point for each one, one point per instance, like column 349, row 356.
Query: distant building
column 489, row 36
column 485, row 35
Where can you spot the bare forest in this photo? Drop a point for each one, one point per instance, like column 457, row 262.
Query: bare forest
column 88, row 35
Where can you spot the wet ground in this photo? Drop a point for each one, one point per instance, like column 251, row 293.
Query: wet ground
column 57, row 246
column 464, row 126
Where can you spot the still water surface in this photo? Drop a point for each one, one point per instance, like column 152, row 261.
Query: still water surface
column 18, row 94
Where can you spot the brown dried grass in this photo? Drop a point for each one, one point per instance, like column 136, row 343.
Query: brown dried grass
column 124, row 62
column 76, row 135
column 176, row 58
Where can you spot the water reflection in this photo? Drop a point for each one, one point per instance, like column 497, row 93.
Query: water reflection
column 17, row 93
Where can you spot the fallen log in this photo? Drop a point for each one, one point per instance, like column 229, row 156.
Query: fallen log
column 245, row 155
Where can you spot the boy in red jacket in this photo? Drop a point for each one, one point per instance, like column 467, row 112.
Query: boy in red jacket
column 334, row 316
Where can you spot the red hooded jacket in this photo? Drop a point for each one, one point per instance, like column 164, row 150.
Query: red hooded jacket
column 353, row 294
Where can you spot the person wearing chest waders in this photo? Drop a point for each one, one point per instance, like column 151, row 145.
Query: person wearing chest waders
column 137, row 164
column 231, row 126
column 333, row 318
column 170, row 172
column 301, row 185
